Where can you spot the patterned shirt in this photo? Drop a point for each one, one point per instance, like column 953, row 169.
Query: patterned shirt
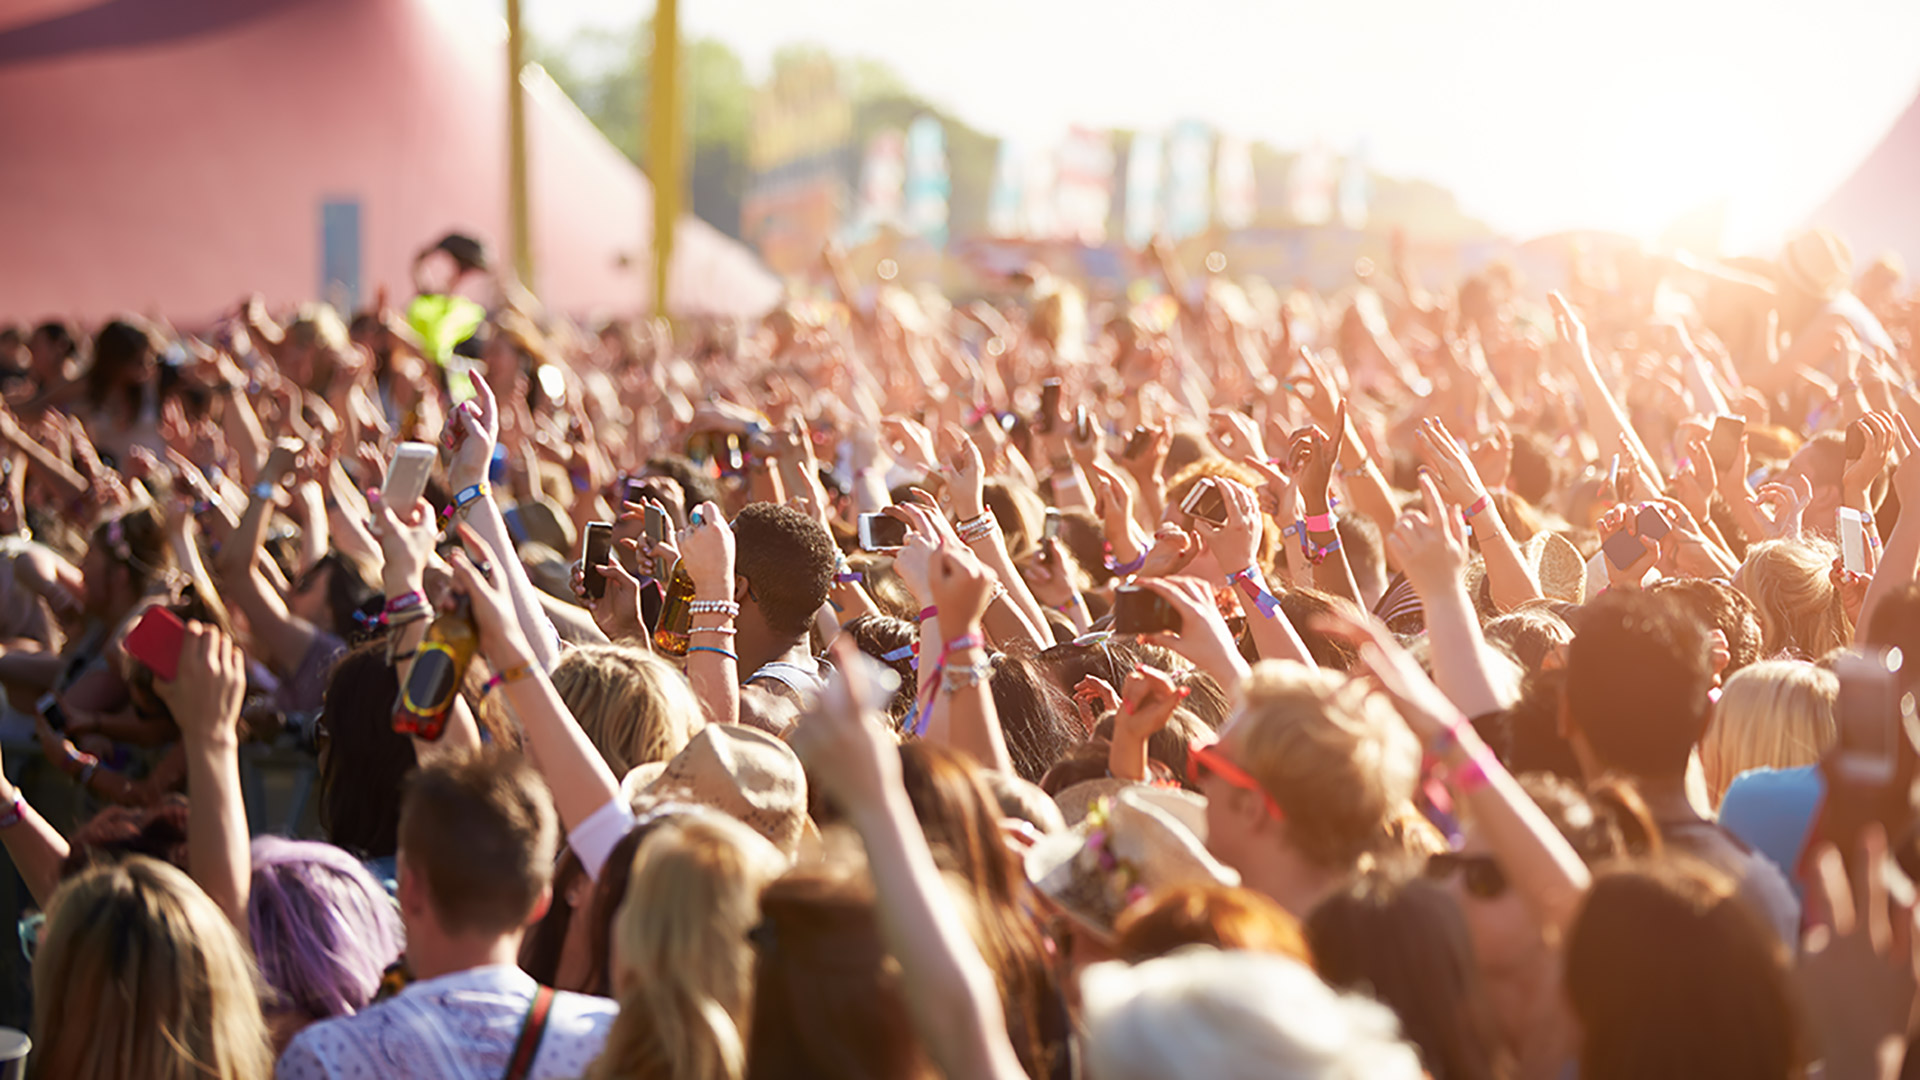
column 456, row 1027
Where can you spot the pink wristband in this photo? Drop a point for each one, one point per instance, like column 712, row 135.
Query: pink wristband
column 1320, row 523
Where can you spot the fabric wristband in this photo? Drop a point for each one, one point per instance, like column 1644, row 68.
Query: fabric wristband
column 1248, row 581
column 1479, row 507
column 1320, row 523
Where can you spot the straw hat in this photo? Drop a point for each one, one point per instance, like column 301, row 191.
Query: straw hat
column 1817, row 263
column 1078, row 800
column 1133, row 844
column 743, row 771
column 1556, row 565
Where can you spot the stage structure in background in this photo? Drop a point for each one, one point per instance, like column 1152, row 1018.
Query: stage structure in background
column 797, row 197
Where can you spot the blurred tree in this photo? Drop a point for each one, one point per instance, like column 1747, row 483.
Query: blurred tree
column 605, row 73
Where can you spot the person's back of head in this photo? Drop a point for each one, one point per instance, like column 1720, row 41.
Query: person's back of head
column 480, row 832
column 1672, row 976
column 1635, row 692
column 1039, row 720
column 1404, row 942
column 1791, row 585
column 1220, row 916
column 787, row 559
column 1896, row 624
column 1533, row 635
column 827, row 1001
column 1335, row 758
column 682, row 961
column 1719, row 606
column 140, row 975
column 323, row 929
column 635, row 707
column 1206, row 1015
column 365, row 760
column 1776, row 714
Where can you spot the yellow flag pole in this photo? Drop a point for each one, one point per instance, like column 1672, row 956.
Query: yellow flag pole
column 517, row 212
column 665, row 161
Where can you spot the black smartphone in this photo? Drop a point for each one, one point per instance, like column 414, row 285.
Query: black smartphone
column 1207, row 502
column 878, row 532
column 1049, row 406
column 1652, row 524
column 50, row 711
column 1141, row 611
column 1138, row 442
column 1856, row 440
column 1623, row 549
column 1724, row 444
column 633, row 491
column 593, row 555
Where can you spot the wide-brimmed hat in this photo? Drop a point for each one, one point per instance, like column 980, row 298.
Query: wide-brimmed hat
column 1556, row 565
column 1817, row 263
column 740, row 770
column 1134, row 843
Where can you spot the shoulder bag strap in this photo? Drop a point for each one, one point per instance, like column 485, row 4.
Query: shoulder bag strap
column 527, row 1046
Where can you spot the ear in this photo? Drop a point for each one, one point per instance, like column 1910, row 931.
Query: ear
column 412, row 890
column 540, row 905
column 741, row 590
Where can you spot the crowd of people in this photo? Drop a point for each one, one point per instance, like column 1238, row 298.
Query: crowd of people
column 1214, row 681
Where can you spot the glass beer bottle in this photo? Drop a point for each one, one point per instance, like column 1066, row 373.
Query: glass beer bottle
column 439, row 669
column 670, row 635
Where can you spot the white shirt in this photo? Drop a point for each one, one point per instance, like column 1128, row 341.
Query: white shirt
column 456, row 1027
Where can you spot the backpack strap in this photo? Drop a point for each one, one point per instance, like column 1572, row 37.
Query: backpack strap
column 532, row 1030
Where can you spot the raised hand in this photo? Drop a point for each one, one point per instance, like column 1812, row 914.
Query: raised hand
column 617, row 610
column 473, row 428
column 965, row 473
column 1173, row 550
column 1235, row 435
column 1882, row 441
column 477, row 575
column 706, row 548
column 1094, row 697
column 406, row 542
column 1236, row 543
column 1430, row 544
column 962, row 589
column 1203, row 636
column 1621, row 519
column 1448, row 463
column 1147, row 702
column 1492, row 457
column 208, row 688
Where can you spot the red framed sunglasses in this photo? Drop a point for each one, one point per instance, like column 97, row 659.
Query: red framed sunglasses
column 1203, row 761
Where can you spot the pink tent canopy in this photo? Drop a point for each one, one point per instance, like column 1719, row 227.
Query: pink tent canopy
column 170, row 156
column 1877, row 209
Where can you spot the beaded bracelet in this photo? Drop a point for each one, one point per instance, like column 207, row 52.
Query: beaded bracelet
column 957, row 677
column 979, row 528
column 714, row 607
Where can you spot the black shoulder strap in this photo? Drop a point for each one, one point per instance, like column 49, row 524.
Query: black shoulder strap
column 532, row 1030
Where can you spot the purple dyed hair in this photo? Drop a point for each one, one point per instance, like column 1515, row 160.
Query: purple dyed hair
column 323, row 929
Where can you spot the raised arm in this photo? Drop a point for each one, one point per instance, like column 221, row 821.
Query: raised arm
column 243, row 579
column 959, row 682
column 949, row 988
column 1430, row 547
column 1508, row 578
column 1236, row 550
column 205, row 698
column 581, row 781
column 476, row 427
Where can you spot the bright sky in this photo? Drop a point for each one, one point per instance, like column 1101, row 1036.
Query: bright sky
column 1538, row 114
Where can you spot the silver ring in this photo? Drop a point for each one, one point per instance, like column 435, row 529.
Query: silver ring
column 486, row 570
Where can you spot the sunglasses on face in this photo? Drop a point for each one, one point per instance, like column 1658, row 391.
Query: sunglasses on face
column 1204, row 760
column 1481, row 874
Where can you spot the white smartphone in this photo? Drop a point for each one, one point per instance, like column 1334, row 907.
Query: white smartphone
column 407, row 475
column 1853, row 540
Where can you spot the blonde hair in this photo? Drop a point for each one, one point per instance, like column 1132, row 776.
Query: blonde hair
column 1790, row 582
column 141, row 975
column 683, row 965
column 634, row 706
column 1338, row 759
column 1775, row 714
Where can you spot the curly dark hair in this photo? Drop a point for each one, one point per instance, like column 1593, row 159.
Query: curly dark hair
column 694, row 482
column 787, row 559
